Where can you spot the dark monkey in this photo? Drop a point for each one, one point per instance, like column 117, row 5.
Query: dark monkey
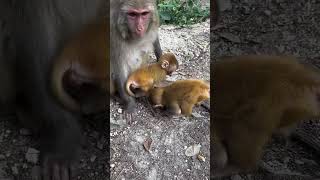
column 254, row 97
column 36, row 31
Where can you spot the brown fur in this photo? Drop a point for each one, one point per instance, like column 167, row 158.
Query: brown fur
column 253, row 97
column 85, row 57
column 146, row 77
column 181, row 96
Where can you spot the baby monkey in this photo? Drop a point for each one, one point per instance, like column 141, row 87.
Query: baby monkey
column 83, row 65
column 180, row 96
column 143, row 79
column 254, row 97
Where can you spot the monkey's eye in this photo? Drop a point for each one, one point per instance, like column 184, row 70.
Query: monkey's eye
column 145, row 13
column 132, row 14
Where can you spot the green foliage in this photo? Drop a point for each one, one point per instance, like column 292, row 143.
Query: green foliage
column 182, row 12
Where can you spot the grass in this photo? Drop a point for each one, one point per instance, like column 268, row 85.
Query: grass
column 182, row 12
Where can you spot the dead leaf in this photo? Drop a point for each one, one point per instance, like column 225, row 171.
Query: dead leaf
column 201, row 157
column 193, row 150
column 147, row 144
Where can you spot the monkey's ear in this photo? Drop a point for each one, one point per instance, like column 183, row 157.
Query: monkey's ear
column 165, row 64
column 134, row 85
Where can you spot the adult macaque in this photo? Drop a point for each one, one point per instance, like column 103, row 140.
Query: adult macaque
column 133, row 31
column 143, row 79
column 83, row 63
column 37, row 30
column 180, row 96
column 254, row 97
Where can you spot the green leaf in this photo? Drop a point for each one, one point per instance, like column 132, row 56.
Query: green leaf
column 165, row 16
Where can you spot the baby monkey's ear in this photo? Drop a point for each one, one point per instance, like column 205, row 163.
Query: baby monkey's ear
column 165, row 64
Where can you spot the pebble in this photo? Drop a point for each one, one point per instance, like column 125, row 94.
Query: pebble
column 32, row 155
column 15, row 170
column 236, row 177
column 2, row 157
column 93, row 158
column 25, row 132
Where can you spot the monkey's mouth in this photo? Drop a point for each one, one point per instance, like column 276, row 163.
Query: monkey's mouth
column 140, row 32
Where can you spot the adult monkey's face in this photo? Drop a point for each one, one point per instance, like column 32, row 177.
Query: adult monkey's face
column 139, row 15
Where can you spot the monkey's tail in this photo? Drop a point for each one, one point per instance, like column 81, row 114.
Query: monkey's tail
column 60, row 67
column 128, row 84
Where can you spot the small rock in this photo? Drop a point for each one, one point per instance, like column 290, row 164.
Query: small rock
column 197, row 115
column 112, row 165
column 249, row 177
column 35, row 172
column 25, row 132
column 24, row 166
column 193, row 150
column 237, row 51
column 308, row 161
column 147, row 144
column 32, row 155
column 168, row 151
column 94, row 134
column 201, row 158
column 225, row 5
column 93, row 158
column 230, row 37
column 100, row 145
column 299, row 162
column 246, row 10
column 2, row 157
column 8, row 154
column 8, row 131
column 267, row 12
column 15, row 170
column 236, row 177
column 286, row 160
column 118, row 121
column 2, row 173
column 280, row 48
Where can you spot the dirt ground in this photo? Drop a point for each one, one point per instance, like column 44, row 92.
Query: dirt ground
column 275, row 27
